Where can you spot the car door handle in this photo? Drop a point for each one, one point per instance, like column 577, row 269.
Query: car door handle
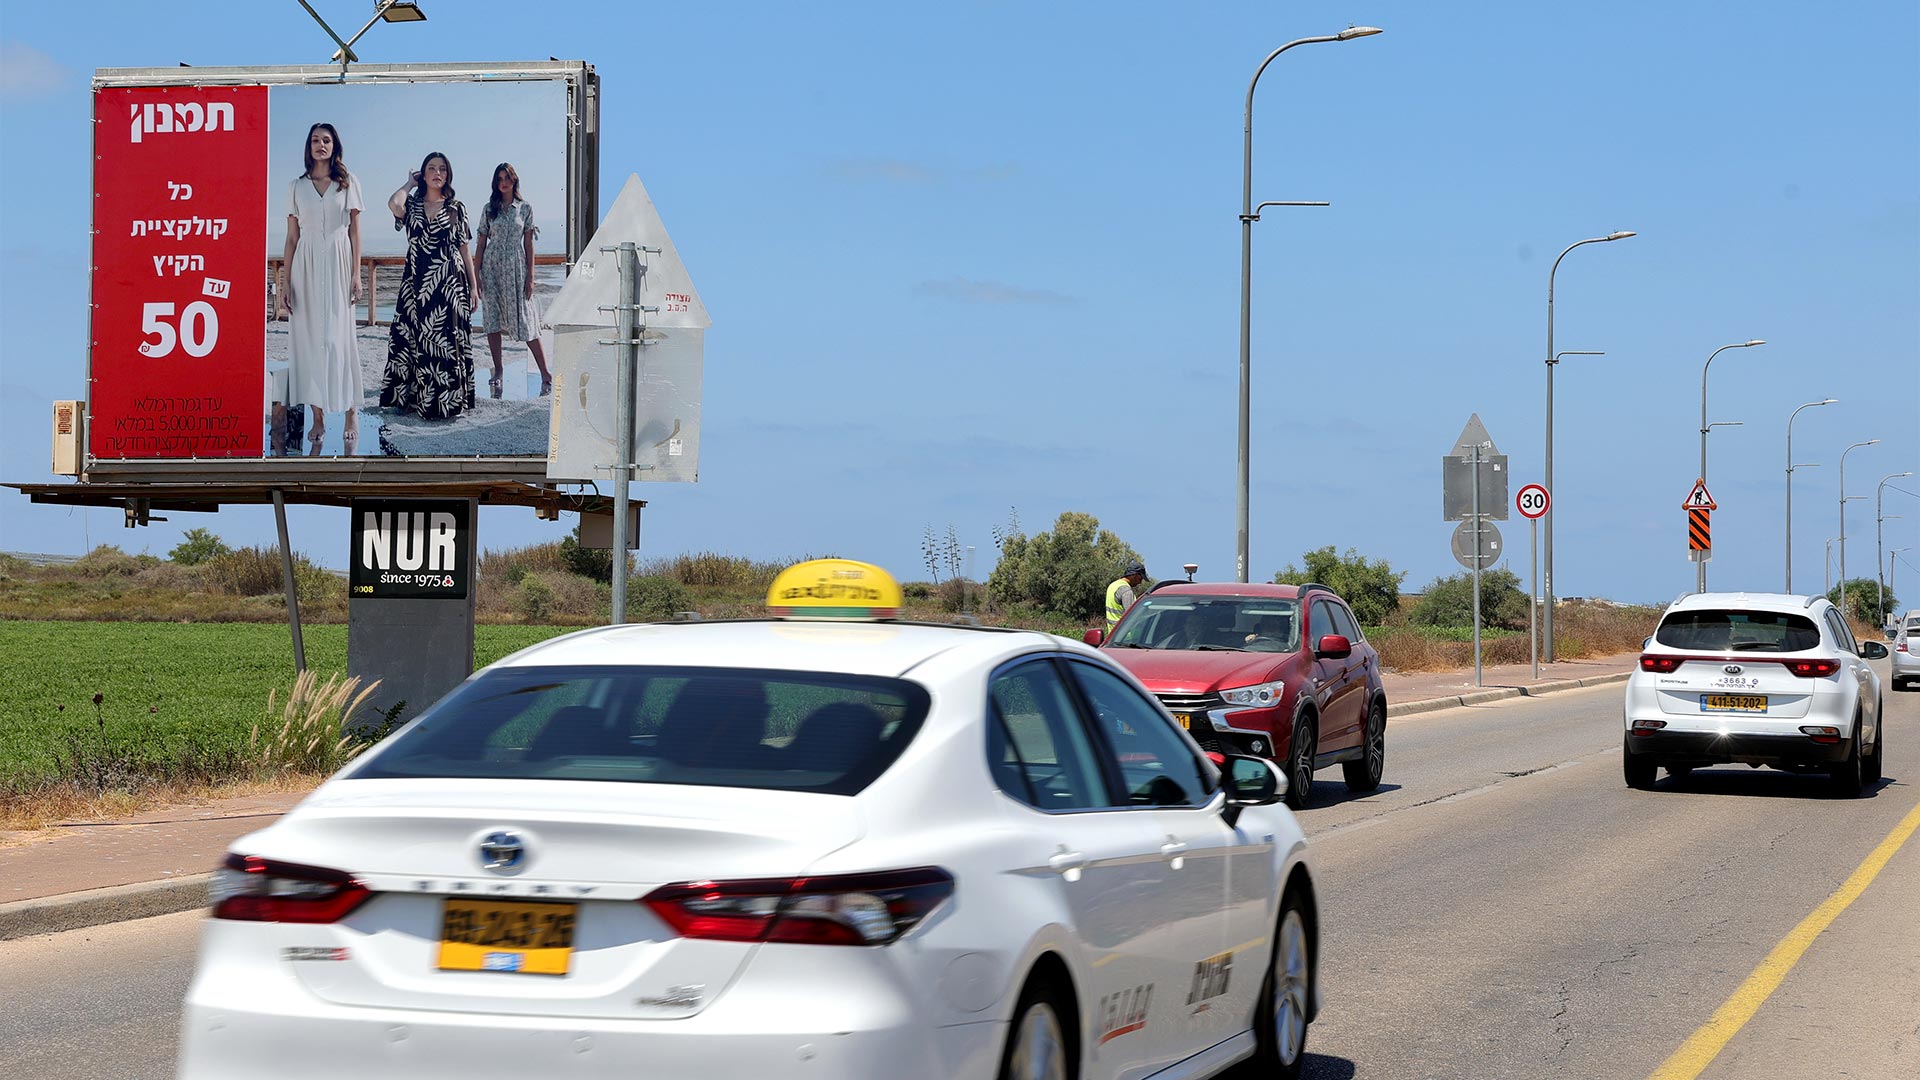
column 1067, row 862
column 1172, row 848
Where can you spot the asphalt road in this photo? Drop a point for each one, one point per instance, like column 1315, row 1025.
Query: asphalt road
column 1503, row 907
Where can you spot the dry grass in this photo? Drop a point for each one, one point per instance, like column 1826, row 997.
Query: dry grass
column 28, row 812
column 1581, row 630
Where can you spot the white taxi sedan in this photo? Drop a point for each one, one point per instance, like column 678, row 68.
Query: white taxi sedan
column 774, row 848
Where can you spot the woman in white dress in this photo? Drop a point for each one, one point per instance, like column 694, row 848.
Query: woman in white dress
column 322, row 265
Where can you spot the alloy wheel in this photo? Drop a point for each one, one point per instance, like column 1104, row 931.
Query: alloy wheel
column 1039, row 1053
column 1290, row 978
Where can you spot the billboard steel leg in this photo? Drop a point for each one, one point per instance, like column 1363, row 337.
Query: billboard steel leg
column 287, row 579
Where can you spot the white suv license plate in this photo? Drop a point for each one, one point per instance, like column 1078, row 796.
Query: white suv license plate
column 1734, row 703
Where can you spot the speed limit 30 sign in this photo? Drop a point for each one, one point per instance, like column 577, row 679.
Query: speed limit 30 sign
column 1532, row 501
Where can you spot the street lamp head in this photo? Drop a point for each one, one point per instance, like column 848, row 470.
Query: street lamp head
column 1829, row 401
column 1621, row 235
column 1755, row 341
column 1352, row 32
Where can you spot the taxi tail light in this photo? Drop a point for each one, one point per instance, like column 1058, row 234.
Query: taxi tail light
column 248, row 888
column 1663, row 665
column 843, row 909
column 1812, row 669
column 1901, row 647
column 1821, row 734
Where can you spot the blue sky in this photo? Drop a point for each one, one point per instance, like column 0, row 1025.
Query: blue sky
column 976, row 257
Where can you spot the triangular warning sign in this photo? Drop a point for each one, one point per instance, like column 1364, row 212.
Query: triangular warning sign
column 1698, row 499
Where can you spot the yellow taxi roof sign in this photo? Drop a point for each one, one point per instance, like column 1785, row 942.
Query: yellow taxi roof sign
column 834, row 589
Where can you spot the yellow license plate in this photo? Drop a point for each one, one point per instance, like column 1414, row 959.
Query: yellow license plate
column 1186, row 720
column 1733, row 703
column 495, row 935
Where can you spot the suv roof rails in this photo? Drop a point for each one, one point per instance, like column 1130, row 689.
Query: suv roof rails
column 1312, row 585
column 1811, row 599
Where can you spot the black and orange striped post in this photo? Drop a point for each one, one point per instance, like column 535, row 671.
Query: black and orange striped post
column 1700, row 531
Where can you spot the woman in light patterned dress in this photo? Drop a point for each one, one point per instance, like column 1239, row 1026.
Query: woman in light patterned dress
column 429, row 352
column 504, row 250
column 321, row 264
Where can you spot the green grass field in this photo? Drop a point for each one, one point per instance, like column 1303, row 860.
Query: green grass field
column 167, row 688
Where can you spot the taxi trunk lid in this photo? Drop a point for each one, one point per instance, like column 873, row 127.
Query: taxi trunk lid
column 585, row 850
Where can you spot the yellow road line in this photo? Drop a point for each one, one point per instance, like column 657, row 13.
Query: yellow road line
column 1705, row 1044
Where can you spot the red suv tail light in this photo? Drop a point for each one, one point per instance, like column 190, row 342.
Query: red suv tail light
column 1664, row 665
column 251, row 889
column 846, row 909
column 1812, row 669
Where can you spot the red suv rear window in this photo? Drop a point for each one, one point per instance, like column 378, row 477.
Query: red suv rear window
column 1706, row 630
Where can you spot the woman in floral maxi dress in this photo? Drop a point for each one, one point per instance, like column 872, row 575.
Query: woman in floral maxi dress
column 430, row 348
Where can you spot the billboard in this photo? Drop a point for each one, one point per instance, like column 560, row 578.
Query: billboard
column 286, row 263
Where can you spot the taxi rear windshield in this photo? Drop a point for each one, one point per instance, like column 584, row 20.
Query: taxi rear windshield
column 1737, row 631
column 714, row 727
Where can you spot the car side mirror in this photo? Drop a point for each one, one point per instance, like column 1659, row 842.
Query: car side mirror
column 1250, row 781
column 1873, row 650
column 1334, row 647
column 1094, row 637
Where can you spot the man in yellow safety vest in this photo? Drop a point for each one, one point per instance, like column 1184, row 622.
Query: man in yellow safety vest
column 1120, row 594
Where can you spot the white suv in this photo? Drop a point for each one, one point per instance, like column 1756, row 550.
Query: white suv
column 1758, row 679
column 1906, row 652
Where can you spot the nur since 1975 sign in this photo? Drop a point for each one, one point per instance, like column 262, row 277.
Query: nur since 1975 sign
column 411, row 549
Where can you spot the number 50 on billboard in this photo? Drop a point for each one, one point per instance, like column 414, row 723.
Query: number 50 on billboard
column 285, row 263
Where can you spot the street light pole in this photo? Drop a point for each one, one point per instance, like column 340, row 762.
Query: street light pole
column 1879, row 544
column 1893, row 560
column 1790, row 467
column 1843, row 520
column 1701, row 566
column 1247, row 218
column 1552, row 362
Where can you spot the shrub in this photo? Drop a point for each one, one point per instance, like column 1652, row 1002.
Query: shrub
column 595, row 564
column 1448, row 601
column 534, row 602
column 314, row 730
column 12, row 567
column 1065, row 572
column 1370, row 587
column 196, row 547
column 109, row 561
column 655, row 599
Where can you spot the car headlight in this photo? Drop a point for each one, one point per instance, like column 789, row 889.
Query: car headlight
column 1259, row 696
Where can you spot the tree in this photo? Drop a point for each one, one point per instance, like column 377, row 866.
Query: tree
column 1065, row 572
column 1863, row 602
column 1370, row 587
column 197, row 546
column 1448, row 601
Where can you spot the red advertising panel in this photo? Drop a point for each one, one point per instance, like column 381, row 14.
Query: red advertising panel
column 178, row 294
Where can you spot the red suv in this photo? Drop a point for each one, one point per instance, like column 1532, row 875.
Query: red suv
column 1281, row 671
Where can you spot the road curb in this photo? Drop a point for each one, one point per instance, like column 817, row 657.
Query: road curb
column 1481, row 697
column 71, row 911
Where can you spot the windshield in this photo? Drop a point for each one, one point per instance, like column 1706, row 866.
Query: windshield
column 1738, row 631
column 718, row 727
column 1187, row 621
